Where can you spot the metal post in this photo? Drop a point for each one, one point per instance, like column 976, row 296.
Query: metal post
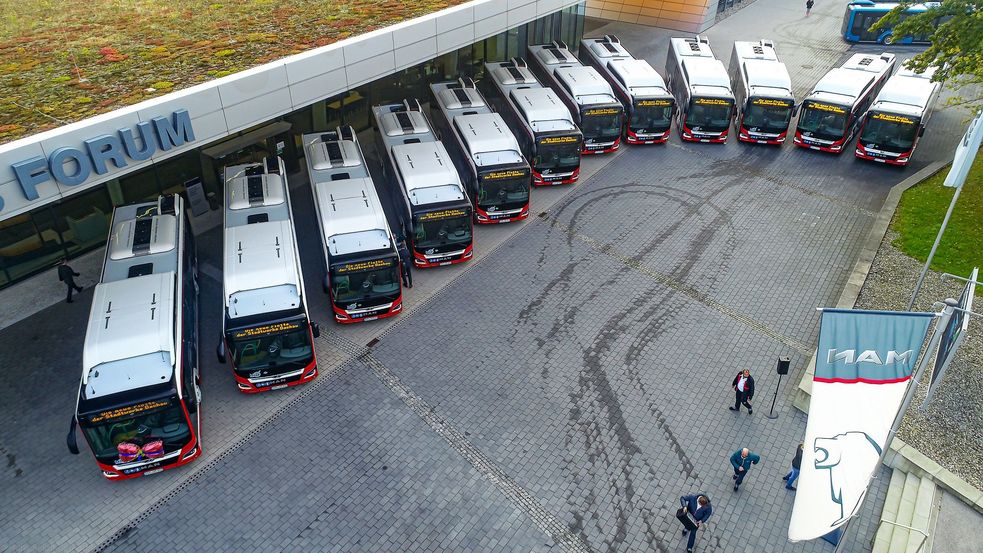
column 911, row 529
column 909, row 395
column 935, row 246
column 771, row 411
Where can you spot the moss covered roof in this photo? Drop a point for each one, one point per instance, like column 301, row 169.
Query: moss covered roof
column 66, row 60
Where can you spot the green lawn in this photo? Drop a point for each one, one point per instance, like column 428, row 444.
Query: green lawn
column 66, row 60
column 920, row 215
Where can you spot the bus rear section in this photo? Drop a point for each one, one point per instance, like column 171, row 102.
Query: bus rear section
column 362, row 263
column 701, row 86
column 896, row 120
column 484, row 150
column 268, row 337
column 597, row 112
column 831, row 113
column 861, row 15
column 762, row 91
column 545, row 129
column 425, row 186
column 643, row 92
column 139, row 397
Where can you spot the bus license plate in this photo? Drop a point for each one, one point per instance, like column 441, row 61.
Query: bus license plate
column 279, row 386
column 154, row 471
column 762, row 142
column 442, row 263
column 814, row 147
column 503, row 221
column 367, row 319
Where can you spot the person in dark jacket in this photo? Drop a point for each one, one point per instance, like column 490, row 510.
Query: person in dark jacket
column 744, row 391
column 67, row 275
column 741, row 460
column 406, row 261
column 794, row 473
column 698, row 506
column 809, row 5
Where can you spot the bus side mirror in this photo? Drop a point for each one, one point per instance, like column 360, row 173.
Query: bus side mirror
column 324, row 284
column 71, row 441
column 316, row 330
column 795, row 110
column 220, row 351
column 921, row 131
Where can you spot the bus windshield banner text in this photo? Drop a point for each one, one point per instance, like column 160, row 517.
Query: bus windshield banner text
column 711, row 102
column 558, row 140
column 826, row 107
column 359, row 266
column 893, row 118
column 129, row 411
column 602, row 111
column 771, row 102
column 509, row 174
column 275, row 328
column 443, row 214
column 654, row 103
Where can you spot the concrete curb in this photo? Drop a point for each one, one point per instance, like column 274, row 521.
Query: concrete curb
column 901, row 456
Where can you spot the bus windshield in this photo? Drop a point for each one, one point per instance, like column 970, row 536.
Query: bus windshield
column 504, row 192
column 357, row 288
column 557, row 154
column 285, row 345
column 650, row 116
column 890, row 132
column 442, row 231
column 131, row 439
column 709, row 114
column 823, row 121
column 768, row 115
column 601, row 123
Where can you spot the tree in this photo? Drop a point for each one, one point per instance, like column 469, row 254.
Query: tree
column 957, row 43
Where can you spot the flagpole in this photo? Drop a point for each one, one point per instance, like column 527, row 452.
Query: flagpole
column 940, row 325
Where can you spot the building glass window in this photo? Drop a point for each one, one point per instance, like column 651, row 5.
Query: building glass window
column 139, row 186
column 173, row 173
column 84, row 220
column 27, row 246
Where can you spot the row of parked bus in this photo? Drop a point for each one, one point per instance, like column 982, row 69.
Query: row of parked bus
column 139, row 396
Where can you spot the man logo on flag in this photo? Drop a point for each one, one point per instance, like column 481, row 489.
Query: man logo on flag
column 830, row 456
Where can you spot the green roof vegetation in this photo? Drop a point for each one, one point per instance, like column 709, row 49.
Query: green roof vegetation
column 65, row 60
column 920, row 215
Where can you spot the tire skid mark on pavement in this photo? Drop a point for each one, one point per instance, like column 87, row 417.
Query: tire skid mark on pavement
column 546, row 521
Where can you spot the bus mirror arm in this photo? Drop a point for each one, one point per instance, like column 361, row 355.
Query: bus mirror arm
column 324, row 284
column 921, row 131
column 315, row 330
column 220, row 351
column 795, row 109
column 72, row 442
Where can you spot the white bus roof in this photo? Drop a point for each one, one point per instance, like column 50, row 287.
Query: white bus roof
column 706, row 75
column 605, row 49
column 760, row 50
column 543, row 109
column 550, row 54
column 352, row 217
column 585, row 85
column 639, row 77
column 692, row 47
column 458, row 98
column 512, row 75
column 907, row 92
column 488, row 139
column 427, row 173
column 260, row 273
column 767, row 78
column 403, row 123
column 129, row 341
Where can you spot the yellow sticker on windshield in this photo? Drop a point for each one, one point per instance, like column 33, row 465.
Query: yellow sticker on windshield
column 510, row 174
column 558, row 140
column 275, row 328
column 893, row 118
column 363, row 266
column 711, row 102
column 654, row 103
column 771, row 102
column 827, row 107
column 443, row 214
column 129, row 410
column 602, row 111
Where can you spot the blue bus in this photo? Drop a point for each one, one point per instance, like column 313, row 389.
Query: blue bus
column 862, row 14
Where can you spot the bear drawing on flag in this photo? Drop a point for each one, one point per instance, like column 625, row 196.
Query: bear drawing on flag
column 842, row 455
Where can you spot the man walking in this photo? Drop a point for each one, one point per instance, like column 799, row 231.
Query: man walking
column 741, row 460
column 809, row 4
column 67, row 275
column 744, row 391
column 406, row 262
column 699, row 508
column 794, row 473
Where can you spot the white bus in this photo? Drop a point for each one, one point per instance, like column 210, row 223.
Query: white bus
column 763, row 93
column 266, row 327
column 485, row 151
column 596, row 111
column 831, row 113
column 549, row 138
column 896, row 120
column 425, row 186
column 139, row 399
column 701, row 86
column 362, row 268
column 643, row 92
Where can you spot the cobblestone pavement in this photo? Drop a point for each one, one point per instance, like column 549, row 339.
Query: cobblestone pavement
column 559, row 394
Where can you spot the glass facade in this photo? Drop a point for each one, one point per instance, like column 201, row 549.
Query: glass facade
column 35, row 241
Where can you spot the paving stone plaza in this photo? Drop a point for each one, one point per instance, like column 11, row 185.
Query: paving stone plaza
column 558, row 393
